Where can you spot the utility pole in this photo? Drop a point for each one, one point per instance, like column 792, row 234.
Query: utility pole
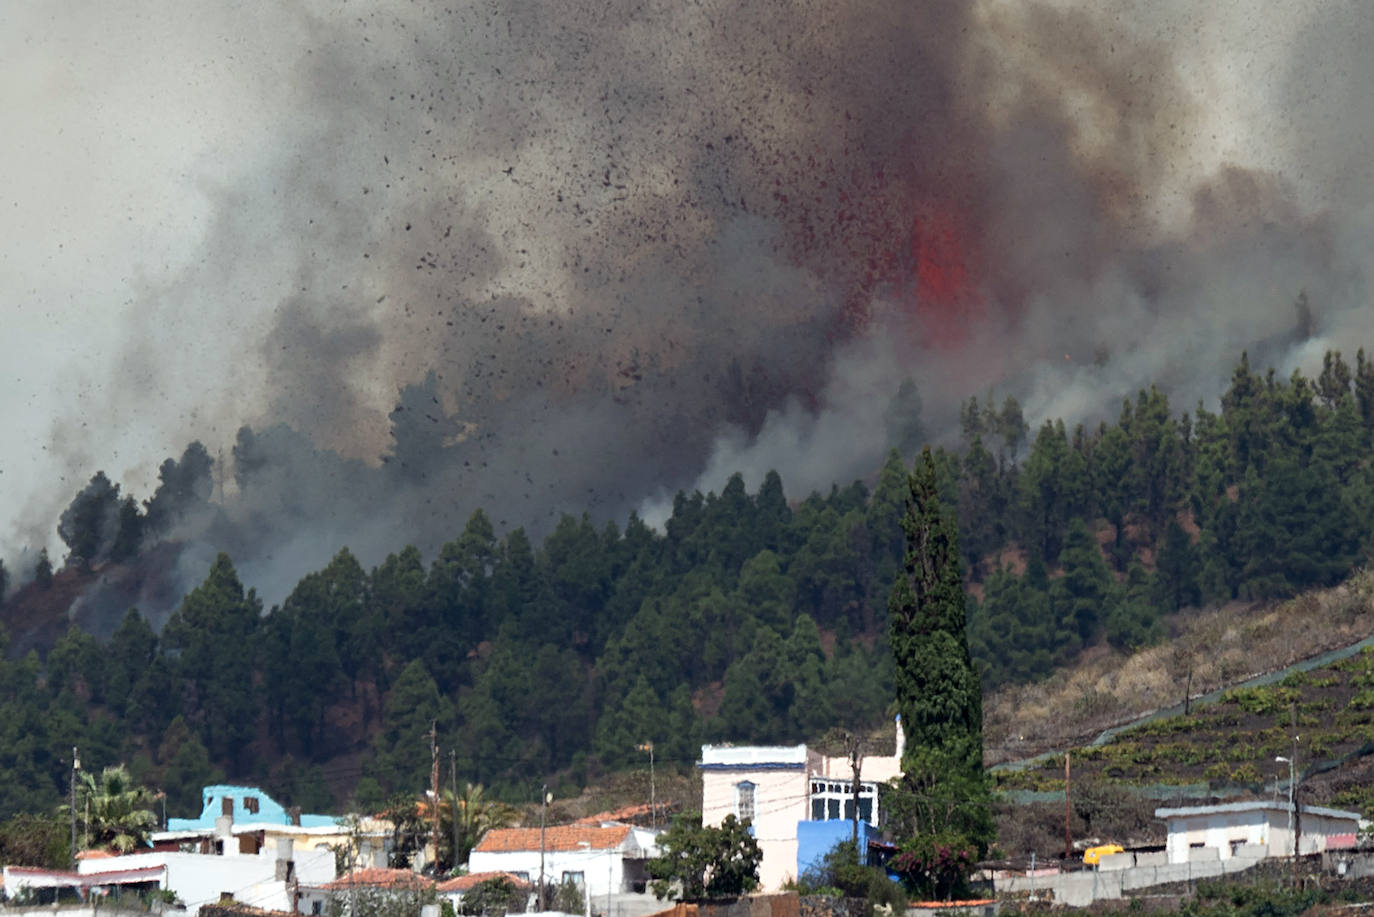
column 1068, row 837
column 853, row 747
column 1188, row 689
column 1295, row 813
column 453, row 770
column 543, row 807
column 653, row 803
column 434, row 785
column 76, row 765
column 354, row 848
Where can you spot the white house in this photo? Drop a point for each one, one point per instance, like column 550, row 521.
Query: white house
column 778, row 786
column 315, row 898
column 1255, row 828
column 454, row 889
column 602, row 859
column 262, row 875
column 249, row 819
column 22, row 882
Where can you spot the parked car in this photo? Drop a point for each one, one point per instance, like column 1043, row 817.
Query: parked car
column 1093, row 855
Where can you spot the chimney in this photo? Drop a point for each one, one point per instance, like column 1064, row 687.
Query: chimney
column 285, row 865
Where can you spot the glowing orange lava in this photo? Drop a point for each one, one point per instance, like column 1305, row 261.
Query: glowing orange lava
column 945, row 298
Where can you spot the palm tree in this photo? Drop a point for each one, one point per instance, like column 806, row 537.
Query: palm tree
column 476, row 816
column 118, row 811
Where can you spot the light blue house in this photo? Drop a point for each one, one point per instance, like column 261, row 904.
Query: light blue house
column 245, row 804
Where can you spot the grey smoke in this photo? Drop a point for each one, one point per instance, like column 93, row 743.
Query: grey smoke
column 633, row 242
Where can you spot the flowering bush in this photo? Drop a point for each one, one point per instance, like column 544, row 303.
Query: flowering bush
column 935, row 865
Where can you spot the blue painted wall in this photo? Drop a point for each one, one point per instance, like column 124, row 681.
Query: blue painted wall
column 817, row 838
column 270, row 812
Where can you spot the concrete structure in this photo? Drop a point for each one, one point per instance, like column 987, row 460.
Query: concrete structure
column 779, row 787
column 23, row 882
column 603, row 859
column 1082, row 888
column 1255, row 828
column 266, row 878
column 246, row 804
column 244, row 819
column 364, row 885
column 369, row 840
column 454, row 889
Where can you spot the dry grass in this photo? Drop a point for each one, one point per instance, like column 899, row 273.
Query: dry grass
column 1220, row 647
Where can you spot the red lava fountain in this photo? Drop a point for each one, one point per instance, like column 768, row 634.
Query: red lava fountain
column 945, row 300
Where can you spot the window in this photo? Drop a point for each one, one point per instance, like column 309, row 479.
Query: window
column 576, row 878
column 832, row 800
column 317, row 907
column 744, row 800
column 250, row 804
column 226, row 805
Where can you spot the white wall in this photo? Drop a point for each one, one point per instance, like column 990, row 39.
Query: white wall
column 1268, row 828
column 601, row 869
column 780, row 801
column 1217, row 831
column 201, row 878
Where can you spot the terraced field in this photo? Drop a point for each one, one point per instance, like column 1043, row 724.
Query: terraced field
column 1229, row 747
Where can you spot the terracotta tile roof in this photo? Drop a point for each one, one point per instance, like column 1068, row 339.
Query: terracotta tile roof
column 235, row 909
column 379, row 877
column 627, row 813
column 556, row 837
column 946, row 905
column 463, row 883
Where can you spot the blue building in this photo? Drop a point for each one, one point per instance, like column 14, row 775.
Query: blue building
column 817, row 838
column 245, row 804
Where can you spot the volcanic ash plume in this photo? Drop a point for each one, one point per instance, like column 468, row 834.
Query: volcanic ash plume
column 599, row 251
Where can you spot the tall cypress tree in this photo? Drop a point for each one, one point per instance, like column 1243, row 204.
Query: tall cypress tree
column 942, row 804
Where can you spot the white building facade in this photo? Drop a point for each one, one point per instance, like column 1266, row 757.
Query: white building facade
column 601, row 859
column 266, row 879
column 777, row 786
column 1256, row 828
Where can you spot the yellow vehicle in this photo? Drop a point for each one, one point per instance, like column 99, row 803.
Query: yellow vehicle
column 1093, row 855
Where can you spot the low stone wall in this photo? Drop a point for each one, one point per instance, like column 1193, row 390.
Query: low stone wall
column 234, row 909
column 785, row 904
column 1079, row 889
column 822, row 906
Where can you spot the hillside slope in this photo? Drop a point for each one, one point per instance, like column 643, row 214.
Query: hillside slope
column 1207, row 650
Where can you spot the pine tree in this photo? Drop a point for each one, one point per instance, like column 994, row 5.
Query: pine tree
column 214, row 634
column 943, row 799
column 42, row 571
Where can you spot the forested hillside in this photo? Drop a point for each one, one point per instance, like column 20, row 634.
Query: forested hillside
column 750, row 617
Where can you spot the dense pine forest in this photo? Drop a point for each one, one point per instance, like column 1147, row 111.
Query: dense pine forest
column 752, row 616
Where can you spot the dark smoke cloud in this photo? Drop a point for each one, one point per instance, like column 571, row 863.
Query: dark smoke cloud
column 640, row 245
